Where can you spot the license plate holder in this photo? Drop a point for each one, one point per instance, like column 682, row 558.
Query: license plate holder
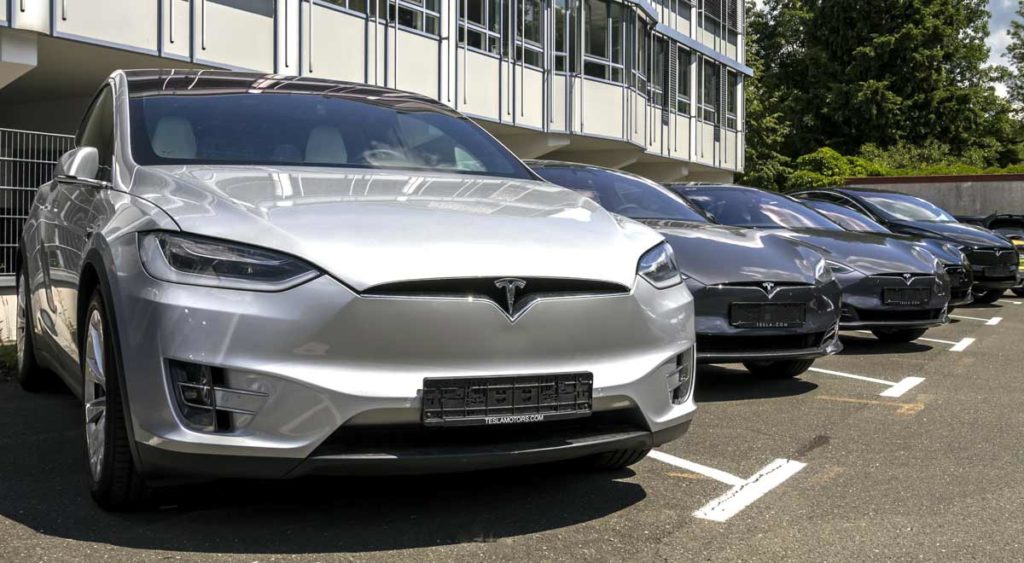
column 1001, row 271
column 767, row 315
column 472, row 401
column 905, row 296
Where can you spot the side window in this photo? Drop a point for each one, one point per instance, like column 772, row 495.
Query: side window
column 98, row 131
column 847, row 202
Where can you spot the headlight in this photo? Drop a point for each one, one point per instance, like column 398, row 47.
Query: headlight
column 658, row 267
column 192, row 260
column 839, row 268
column 822, row 273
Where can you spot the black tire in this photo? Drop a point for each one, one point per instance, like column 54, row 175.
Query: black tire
column 30, row 376
column 898, row 335
column 778, row 369
column 988, row 297
column 619, row 459
column 118, row 486
column 1018, row 291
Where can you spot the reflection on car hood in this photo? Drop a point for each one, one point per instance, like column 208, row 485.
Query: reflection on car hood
column 373, row 227
column 869, row 253
column 717, row 254
column 957, row 233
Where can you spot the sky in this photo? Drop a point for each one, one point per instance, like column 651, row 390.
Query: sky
column 1002, row 14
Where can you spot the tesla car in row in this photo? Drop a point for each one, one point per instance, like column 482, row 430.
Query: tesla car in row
column 994, row 260
column 250, row 275
column 955, row 262
column 768, row 302
column 893, row 288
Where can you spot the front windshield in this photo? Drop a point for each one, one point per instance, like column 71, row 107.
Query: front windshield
column 900, row 207
column 744, row 207
column 621, row 193
column 287, row 129
column 847, row 218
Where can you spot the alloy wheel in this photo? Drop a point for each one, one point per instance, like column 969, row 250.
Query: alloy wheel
column 20, row 327
column 95, row 394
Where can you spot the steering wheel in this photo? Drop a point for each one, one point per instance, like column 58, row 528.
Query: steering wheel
column 374, row 156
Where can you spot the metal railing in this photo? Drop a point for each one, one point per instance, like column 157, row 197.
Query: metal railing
column 26, row 162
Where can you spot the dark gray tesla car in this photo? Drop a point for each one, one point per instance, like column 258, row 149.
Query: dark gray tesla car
column 955, row 262
column 762, row 300
column 893, row 288
column 994, row 260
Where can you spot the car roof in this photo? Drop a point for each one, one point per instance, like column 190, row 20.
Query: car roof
column 177, row 82
column 698, row 185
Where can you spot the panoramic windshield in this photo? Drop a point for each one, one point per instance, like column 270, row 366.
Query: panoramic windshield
column 902, row 207
column 847, row 218
column 744, row 207
column 282, row 129
column 621, row 193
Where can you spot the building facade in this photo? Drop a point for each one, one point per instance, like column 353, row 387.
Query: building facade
column 653, row 88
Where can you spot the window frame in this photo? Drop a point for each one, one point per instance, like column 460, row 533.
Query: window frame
column 105, row 152
column 611, row 67
column 421, row 10
column 489, row 37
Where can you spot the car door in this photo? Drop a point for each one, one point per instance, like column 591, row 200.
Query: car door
column 68, row 219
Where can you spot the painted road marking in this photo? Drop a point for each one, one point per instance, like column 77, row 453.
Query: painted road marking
column 896, row 388
column 716, row 474
column 907, row 409
column 744, row 494
column 959, row 346
column 990, row 322
column 1014, row 302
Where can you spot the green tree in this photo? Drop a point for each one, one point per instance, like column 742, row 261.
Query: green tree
column 1014, row 76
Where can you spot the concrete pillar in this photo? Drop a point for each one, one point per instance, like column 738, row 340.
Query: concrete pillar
column 19, row 53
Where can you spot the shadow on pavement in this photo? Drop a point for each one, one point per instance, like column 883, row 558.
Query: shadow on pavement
column 721, row 383
column 864, row 345
column 43, row 471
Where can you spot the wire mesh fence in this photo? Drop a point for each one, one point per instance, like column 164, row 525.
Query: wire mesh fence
column 26, row 162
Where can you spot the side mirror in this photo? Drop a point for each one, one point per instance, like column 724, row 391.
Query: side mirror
column 82, row 163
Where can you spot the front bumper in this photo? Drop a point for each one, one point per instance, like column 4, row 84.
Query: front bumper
column 317, row 359
column 718, row 341
column 863, row 306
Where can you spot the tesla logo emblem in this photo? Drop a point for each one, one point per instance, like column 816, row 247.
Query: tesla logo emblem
column 511, row 286
column 1000, row 252
column 768, row 288
column 907, row 278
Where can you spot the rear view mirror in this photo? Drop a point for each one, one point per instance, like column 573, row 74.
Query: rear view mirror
column 82, row 163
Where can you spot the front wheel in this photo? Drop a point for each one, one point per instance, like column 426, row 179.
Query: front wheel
column 898, row 335
column 115, row 484
column 988, row 297
column 30, row 376
column 778, row 369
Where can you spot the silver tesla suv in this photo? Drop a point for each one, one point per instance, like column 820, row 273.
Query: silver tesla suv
column 248, row 275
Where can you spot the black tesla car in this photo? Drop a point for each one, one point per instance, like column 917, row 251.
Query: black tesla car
column 957, row 266
column 893, row 288
column 993, row 259
column 765, row 301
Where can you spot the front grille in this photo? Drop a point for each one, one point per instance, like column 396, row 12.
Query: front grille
column 872, row 315
column 905, row 278
column 766, row 343
column 408, row 438
column 992, row 256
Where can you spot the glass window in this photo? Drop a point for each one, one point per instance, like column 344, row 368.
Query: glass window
column 97, row 131
column 846, row 218
column 659, row 71
column 640, row 40
column 420, row 15
column 900, row 207
column 603, row 57
column 622, row 193
column 746, row 207
column 732, row 97
column 290, row 129
column 710, row 95
column 354, row 5
column 529, row 32
column 564, row 47
column 683, row 82
column 479, row 25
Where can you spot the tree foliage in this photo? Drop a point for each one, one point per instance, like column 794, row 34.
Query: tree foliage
column 873, row 75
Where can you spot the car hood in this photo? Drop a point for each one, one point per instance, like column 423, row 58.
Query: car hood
column 957, row 233
column 717, row 254
column 372, row 227
column 869, row 253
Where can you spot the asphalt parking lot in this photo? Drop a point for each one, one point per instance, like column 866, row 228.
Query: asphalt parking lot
column 885, row 451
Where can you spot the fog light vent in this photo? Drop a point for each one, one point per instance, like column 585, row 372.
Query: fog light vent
column 680, row 379
column 204, row 400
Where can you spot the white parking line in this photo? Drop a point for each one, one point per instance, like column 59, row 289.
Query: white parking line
column 956, row 346
column 990, row 322
column 896, row 389
column 743, row 492
column 716, row 474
